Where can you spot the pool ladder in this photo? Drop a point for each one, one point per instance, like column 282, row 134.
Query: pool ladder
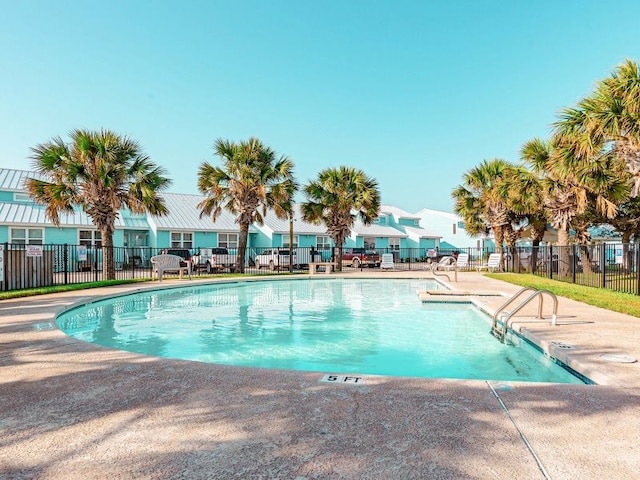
column 501, row 318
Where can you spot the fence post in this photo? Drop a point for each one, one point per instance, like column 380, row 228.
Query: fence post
column 4, row 253
column 636, row 266
column 65, row 259
column 574, row 263
column 603, row 263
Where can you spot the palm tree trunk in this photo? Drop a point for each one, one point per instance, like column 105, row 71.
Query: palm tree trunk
column 108, row 263
column 338, row 252
column 242, row 246
column 563, row 251
column 585, row 259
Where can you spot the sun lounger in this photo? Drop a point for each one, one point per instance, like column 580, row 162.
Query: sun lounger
column 462, row 261
column 493, row 263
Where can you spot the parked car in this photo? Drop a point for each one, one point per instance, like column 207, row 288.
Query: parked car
column 274, row 258
column 215, row 259
column 356, row 257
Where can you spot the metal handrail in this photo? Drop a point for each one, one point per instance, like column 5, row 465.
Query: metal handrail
column 509, row 315
column 434, row 270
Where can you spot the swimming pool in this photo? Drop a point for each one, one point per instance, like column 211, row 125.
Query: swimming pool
column 347, row 326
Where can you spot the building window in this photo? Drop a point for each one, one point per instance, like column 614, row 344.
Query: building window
column 323, row 243
column 394, row 244
column 181, row 240
column 285, row 241
column 461, row 225
column 369, row 243
column 27, row 236
column 228, row 240
column 416, row 223
column 90, row 238
column 21, row 197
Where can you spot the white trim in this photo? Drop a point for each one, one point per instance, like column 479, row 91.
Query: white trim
column 22, row 197
column 237, row 241
column 27, row 238
column 96, row 237
column 182, row 241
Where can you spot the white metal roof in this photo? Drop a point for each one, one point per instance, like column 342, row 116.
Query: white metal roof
column 376, row 230
column 11, row 179
column 29, row 214
column 184, row 214
column 421, row 232
column 397, row 212
column 278, row 225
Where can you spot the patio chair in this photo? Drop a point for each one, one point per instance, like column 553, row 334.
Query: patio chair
column 446, row 263
column 493, row 263
column 386, row 262
column 168, row 263
column 462, row 261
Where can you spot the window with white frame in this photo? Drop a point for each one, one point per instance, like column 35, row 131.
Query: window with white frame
column 370, row 243
column 323, row 243
column 27, row 236
column 394, row 244
column 182, row 239
column 228, row 240
column 285, row 241
column 90, row 238
column 21, row 197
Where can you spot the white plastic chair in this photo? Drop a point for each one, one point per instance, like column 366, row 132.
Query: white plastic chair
column 447, row 262
column 493, row 263
column 462, row 261
column 386, row 262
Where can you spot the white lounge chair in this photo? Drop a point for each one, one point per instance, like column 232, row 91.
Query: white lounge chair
column 386, row 262
column 446, row 263
column 462, row 261
column 493, row 263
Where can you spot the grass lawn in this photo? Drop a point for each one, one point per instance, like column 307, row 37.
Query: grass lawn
column 598, row 297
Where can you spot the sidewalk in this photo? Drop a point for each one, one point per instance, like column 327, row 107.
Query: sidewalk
column 72, row 410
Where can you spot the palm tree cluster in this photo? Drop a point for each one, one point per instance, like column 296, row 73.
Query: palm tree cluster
column 254, row 179
column 587, row 173
column 102, row 172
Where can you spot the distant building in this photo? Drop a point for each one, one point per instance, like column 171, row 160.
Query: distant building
column 451, row 229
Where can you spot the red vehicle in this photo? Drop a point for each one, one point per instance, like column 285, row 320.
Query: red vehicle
column 356, row 257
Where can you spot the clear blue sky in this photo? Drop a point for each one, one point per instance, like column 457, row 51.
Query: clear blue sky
column 413, row 92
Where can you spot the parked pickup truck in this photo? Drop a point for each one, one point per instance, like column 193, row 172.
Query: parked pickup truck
column 215, row 259
column 274, row 258
column 356, row 257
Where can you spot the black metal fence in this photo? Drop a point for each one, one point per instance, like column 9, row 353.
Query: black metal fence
column 612, row 266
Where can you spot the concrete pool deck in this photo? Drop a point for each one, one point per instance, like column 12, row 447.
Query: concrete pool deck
column 73, row 410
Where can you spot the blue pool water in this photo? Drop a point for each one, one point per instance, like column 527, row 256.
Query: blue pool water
column 352, row 326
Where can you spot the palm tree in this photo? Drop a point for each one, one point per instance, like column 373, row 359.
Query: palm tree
column 576, row 188
column 482, row 203
column 100, row 172
column 336, row 198
column 522, row 189
column 251, row 180
column 607, row 122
